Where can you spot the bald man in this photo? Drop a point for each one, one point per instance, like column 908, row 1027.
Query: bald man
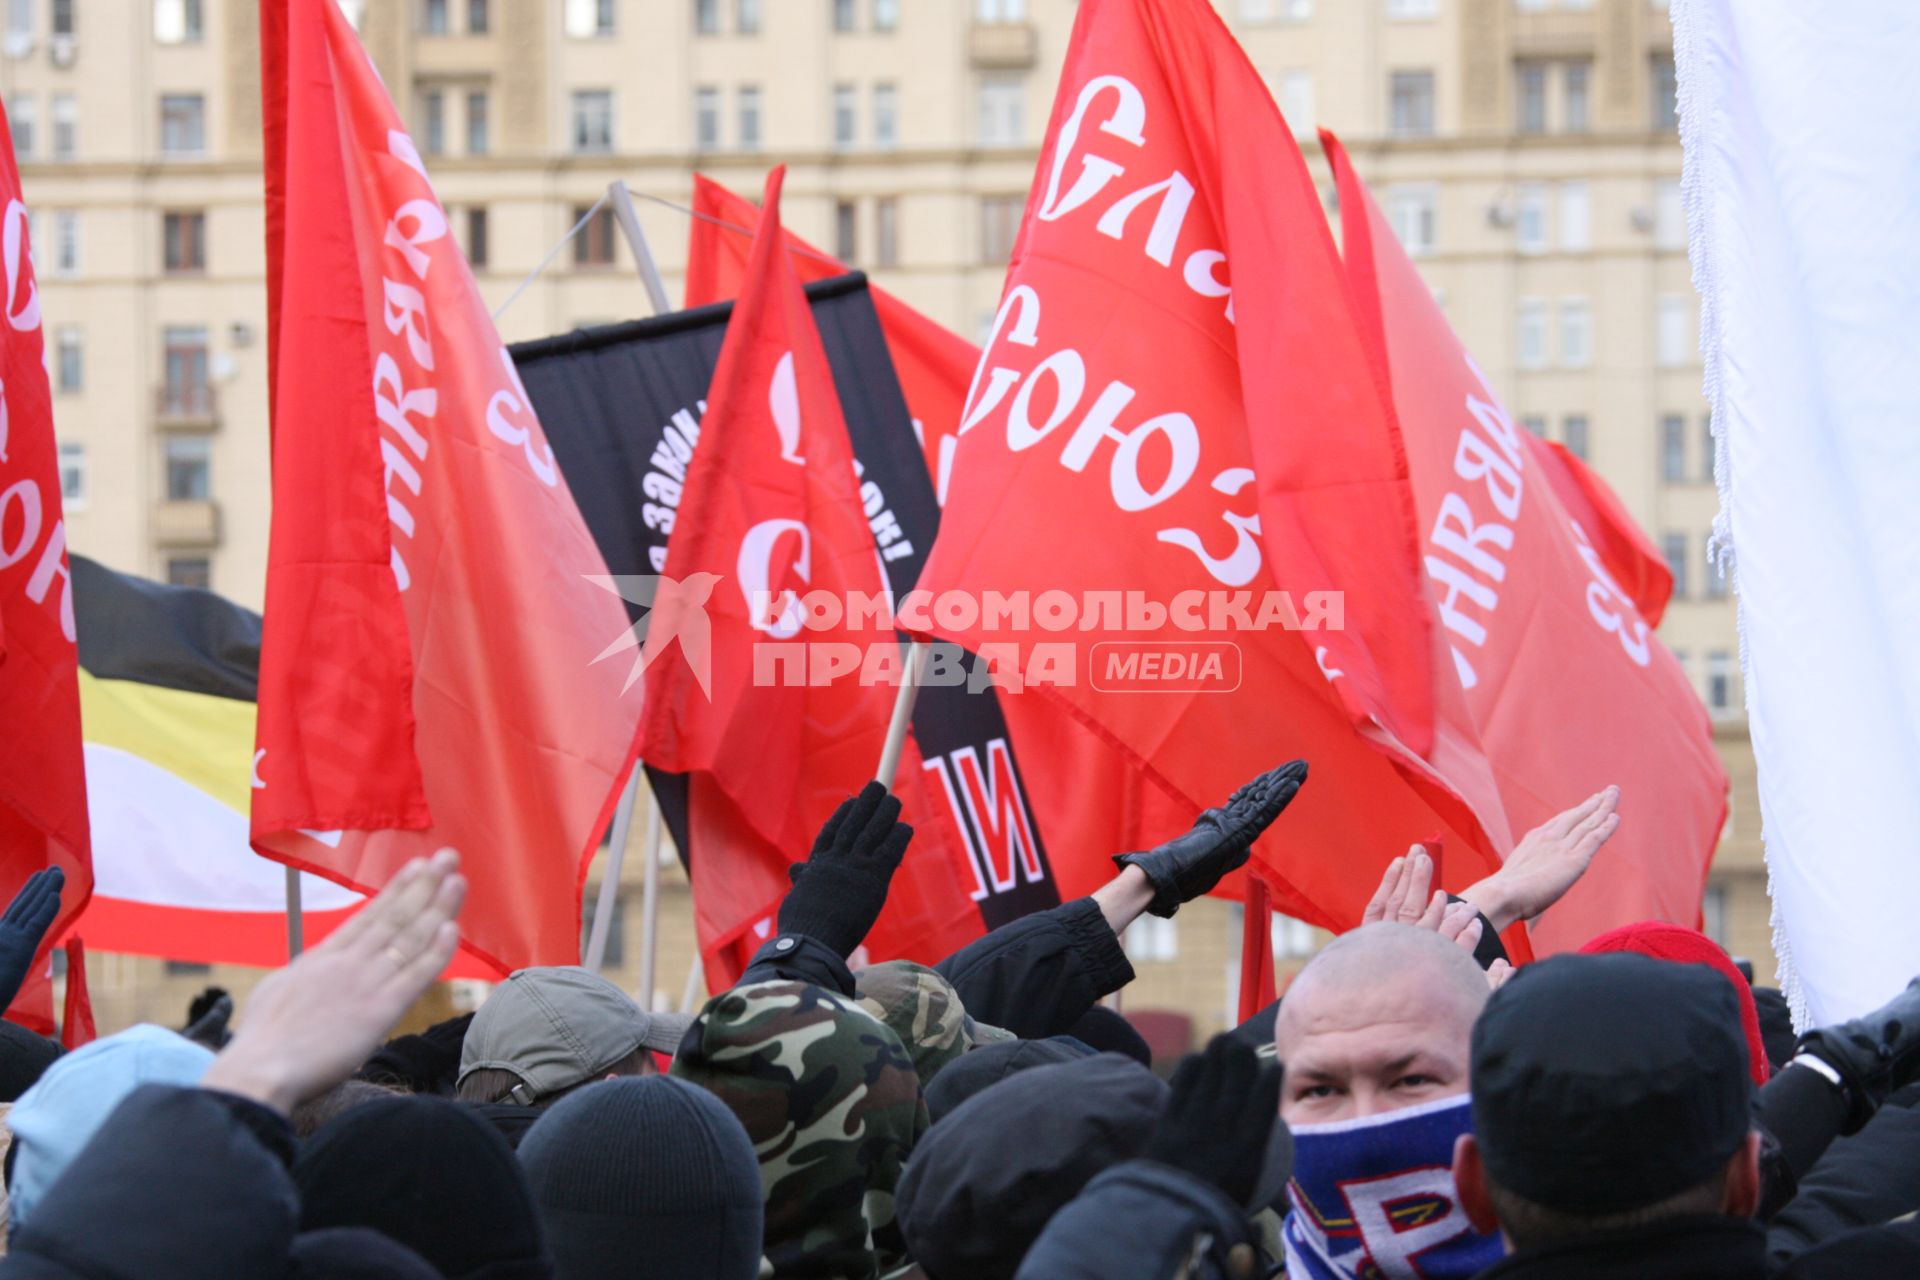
column 1374, row 1037
column 1379, row 1020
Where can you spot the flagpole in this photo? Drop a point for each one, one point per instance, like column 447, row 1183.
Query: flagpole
column 610, row 873
column 902, row 712
column 629, row 220
column 650, row 905
column 296, row 921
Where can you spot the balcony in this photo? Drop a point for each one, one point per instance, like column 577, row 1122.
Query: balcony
column 1003, row 46
column 185, row 407
column 186, row 523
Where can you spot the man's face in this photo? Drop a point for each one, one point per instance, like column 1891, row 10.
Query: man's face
column 1362, row 1050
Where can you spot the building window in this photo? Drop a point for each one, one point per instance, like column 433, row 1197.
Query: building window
column 886, row 232
column 184, row 353
column 22, row 116
column 1706, row 447
column 999, row 226
column 477, row 237
column 355, row 12
column 195, row 572
column 73, row 474
column 1153, row 939
column 1000, row 10
column 1530, row 97
column 19, row 25
column 189, row 467
column 184, row 241
column 750, row 118
column 1530, row 217
column 1713, row 580
column 592, row 121
column 706, row 17
column 70, row 360
column 706, row 118
column 1275, row 10
column 846, row 241
column 593, row 247
column 1296, row 101
column 844, row 112
column 433, row 122
column 66, row 126
column 66, row 242
column 1673, row 329
column 1410, row 213
column 886, row 116
column 886, row 15
column 1003, row 109
column 1576, row 333
column 1410, row 95
column 1713, row 915
column 479, row 17
column 434, row 19
column 479, row 124
column 1673, row 548
column 1536, row 424
column 183, row 125
column 1574, row 82
column 63, row 17
column 1531, row 346
column 1669, row 215
column 1573, row 434
column 1576, row 217
column 1720, row 694
column 1403, row 9
column 843, row 15
column 589, row 19
column 1673, row 448
column 177, row 21
column 1665, row 91
column 746, row 17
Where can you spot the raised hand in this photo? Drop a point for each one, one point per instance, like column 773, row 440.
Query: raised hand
column 1547, row 862
column 838, row 891
column 1187, row 866
column 24, row 923
column 1223, row 1106
column 309, row 1025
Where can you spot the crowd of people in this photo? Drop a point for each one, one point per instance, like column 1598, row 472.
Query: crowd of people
column 1414, row 1105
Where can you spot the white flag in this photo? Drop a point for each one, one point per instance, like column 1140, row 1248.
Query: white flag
column 1803, row 203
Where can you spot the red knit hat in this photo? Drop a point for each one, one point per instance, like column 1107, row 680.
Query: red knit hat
column 1665, row 941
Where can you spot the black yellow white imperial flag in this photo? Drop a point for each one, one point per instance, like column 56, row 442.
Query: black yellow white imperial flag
column 167, row 686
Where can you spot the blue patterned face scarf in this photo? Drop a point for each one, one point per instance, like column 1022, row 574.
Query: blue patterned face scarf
column 1372, row 1199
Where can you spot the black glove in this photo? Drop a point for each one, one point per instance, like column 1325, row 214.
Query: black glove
column 838, row 891
column 207, row 1018
column 428, row 1062
column 1873, row 1055
column 1184, row 868
column 22, row 926
column 1219, row 1116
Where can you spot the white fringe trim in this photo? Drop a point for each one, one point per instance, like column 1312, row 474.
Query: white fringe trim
column 1700, row 164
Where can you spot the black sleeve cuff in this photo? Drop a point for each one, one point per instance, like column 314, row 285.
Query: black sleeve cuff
column 1490, row 947
column 268, row 1127
column 795, row 957
column 1097, row 945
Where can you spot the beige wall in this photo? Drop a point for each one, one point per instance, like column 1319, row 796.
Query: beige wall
column 938, row 170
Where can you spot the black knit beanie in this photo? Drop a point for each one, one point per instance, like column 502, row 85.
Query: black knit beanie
column 991, row 1063
column 431, row 1174
column 646, row 1178
column 24, row 1057
column 354, row 1253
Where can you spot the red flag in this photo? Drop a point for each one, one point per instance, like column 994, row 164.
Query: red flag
column 770, row 521
column 933, row 363
column 43, row 793
column 435, row 606
column 76, row 1020
column 1145, row 422
column 1562, row 676
column 1256, row 950
column 1624, row 547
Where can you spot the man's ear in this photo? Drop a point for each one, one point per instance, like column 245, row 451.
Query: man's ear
column 1470, row 1186
column 1743, row 1179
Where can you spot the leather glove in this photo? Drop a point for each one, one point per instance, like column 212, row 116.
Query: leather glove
column 207, row 1018
column 1873, row 1055
column 1186, row 867
column 838, row 891
column 1219, row 1115
column 24, row 923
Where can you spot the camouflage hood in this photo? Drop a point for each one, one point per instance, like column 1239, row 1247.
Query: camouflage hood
column 924, row 1010
column 832, row 1104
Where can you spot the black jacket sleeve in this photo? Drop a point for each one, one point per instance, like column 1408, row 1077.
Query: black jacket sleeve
column 1865, row 1180
column 1146, row 1220
column 177, row 1185
column 1036, row 976
column 794, row 957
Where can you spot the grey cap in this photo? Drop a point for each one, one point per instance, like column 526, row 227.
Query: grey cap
column 556, row 1026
